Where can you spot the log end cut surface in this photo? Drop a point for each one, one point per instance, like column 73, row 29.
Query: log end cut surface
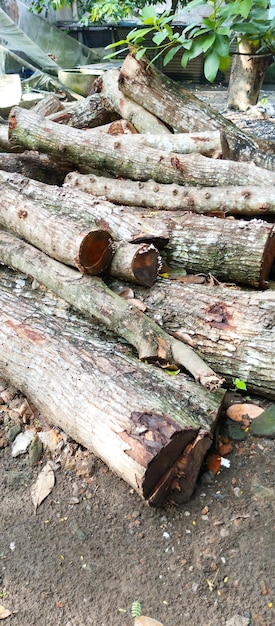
column 95, row 253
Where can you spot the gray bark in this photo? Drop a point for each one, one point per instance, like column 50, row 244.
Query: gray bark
column 219, row 201
column 184, row 112
column 93, row 298
column 233, row 330
column 235, row 251
column 111, row 154
column 106, row 400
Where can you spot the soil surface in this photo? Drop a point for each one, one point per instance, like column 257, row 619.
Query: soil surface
column 94, row 547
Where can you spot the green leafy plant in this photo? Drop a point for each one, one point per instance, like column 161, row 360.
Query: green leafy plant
column 239, row 384
column 136, row 608
column 210, row 36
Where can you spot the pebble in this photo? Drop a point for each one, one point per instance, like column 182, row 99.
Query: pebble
column 264, row 425
column 238, row 620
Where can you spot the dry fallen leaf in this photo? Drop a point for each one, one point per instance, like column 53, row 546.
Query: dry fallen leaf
column 43, row 485
column 237, row 412
column 143, row 620
column 4, row 613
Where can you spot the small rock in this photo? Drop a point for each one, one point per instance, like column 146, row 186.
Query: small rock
column 237, row 620
column 22, row 442
column 237, row 412
column 35, row 450
column 264, row 425
column 13, row 432
column 235, row 431
column 260, row 491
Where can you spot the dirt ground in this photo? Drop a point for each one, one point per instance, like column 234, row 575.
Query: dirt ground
column 94, row 547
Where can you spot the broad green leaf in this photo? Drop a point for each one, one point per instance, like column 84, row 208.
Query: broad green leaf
column 222, row 44
column 211, row 66
column 149, row 12
column 140, row 53
column 170, row 54
column 208, row 42
column 224, row 63
column 159, row 37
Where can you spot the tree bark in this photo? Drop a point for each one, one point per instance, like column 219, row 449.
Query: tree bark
column 184, row 112
column 113, row 155
column 233, row 330
column 91, row 296
column 207, row 144
column 142, row 119
column 48, row 106
column 139, row 263
column 247, row 75
column 134, row 418
column 73, row 239
column 90, row 112
column 234, row 251
column 219, row 201
column 32, row 164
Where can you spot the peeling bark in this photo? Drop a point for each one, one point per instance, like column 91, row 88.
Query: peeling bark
column 136, row 419
column 91, row 296
column 235, row 251
column 233, row 330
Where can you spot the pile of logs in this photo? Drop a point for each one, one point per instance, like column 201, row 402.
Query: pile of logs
column 142, row 208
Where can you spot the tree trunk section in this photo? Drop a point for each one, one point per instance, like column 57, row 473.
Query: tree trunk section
column 234, row 251
column 184, row 112
column 107, row 401
column 48, row 106
column 219, row 201
column 247, row 75
column 90, row 112
column 143, row 121
column 34, row 165
column 112, row 154
column 74, row 240
column 233, row 330
column 91, row 296
column 139, row 264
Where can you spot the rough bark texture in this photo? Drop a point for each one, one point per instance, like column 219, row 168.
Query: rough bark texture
column 208, row 144
column 74, row 240
column 48, row 106
column 246, row 76
column 112, row 155
column 90, row 112
column 233, row 330
column 208, row 200
column 106, row 400
column 35, row 165
column 93, row 298
column 183, row 111
column 143, row 121
column 235, row 251
column 138, row 263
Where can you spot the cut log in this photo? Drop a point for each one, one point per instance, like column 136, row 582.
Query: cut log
column 136, row 419
column 90, row 112
column 32, row 164
column 208, row 144
column 91, row 296
column 74, row 240
column 48, row 106
column 180, row 109
column 233, row 330
column 113, row 155
column 208, row 200
column 139, row 264
column 235, row 251
column 142, row 119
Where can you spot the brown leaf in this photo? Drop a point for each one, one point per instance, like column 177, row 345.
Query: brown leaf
column 237, row 412
column 43, row 485
column 143, row 620
column 4, row 613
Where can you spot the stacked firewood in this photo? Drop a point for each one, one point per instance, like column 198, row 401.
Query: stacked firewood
column 139, row 184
